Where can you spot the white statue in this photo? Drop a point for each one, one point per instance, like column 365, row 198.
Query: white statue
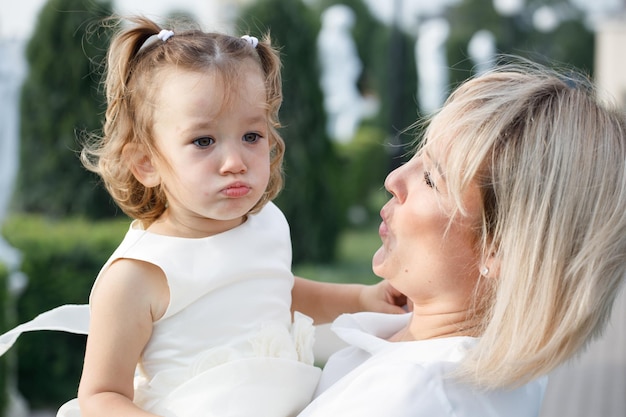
column 432, row 64
column 482, row 50
column 341, row 68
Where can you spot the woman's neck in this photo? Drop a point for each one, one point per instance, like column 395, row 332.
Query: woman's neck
column 429, row 323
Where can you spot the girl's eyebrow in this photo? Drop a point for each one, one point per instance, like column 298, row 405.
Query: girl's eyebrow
column 256, row 119
column 195, row 126
column 208, row 124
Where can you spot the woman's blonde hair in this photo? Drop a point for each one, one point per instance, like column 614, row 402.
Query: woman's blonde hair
column 134, row 61
column 550, row 161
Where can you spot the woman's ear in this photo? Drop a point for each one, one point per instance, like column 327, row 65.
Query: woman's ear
column 141, row 165
column 490, row 266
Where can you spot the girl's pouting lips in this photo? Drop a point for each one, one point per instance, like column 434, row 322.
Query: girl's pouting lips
column 237, row 189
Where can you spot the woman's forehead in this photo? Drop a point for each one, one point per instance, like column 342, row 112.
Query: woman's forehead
column 435, row 147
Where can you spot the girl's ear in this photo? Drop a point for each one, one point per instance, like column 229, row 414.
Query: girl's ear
column 141, row 165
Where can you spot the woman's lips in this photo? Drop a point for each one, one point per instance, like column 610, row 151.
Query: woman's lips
column 382, row 229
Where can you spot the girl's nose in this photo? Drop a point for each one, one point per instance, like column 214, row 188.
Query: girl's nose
column 233, row 161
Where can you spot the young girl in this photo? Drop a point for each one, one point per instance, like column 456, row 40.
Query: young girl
column 191, row 315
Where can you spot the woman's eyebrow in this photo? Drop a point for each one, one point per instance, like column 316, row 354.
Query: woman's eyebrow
column 434, row 163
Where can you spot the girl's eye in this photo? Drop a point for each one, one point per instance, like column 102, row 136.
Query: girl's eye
column 428, row 180
column 203, row 142
column 251, row 137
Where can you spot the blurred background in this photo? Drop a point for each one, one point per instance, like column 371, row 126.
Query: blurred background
column 357, row 75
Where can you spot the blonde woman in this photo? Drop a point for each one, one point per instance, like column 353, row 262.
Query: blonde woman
column 507, row 233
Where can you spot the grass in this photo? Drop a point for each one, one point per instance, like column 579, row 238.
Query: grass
column 354, row 259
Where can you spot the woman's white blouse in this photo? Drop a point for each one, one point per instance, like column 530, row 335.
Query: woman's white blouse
column 375, row 377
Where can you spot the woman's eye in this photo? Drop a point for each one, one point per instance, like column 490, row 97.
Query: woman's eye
column 203, row 142
column 251, row 137
column 428, row 180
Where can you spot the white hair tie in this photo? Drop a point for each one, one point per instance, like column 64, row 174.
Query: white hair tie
column 251, row 40
column 165, row 34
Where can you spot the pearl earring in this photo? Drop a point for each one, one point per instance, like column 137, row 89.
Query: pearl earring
column 484, row 271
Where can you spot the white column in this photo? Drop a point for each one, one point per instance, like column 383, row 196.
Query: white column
column 12, row 71
column 610, row 60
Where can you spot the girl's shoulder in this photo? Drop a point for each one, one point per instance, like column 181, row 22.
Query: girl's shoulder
column 131, row 282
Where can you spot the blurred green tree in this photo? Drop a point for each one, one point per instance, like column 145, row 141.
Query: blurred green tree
column 60, row 98
column 570, row 43
column 310, row 199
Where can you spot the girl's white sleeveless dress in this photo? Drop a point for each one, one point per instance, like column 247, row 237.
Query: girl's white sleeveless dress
column 226, row 345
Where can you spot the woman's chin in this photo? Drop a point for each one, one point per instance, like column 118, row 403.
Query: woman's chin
column 378, row 260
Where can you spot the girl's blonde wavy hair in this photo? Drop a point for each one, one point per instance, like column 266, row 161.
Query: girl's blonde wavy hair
column 550, row 160
column 134, row 62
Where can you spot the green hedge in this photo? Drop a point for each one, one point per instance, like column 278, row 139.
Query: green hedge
column 61, row 260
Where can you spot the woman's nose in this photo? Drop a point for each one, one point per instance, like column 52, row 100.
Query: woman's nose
column 393, row 184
